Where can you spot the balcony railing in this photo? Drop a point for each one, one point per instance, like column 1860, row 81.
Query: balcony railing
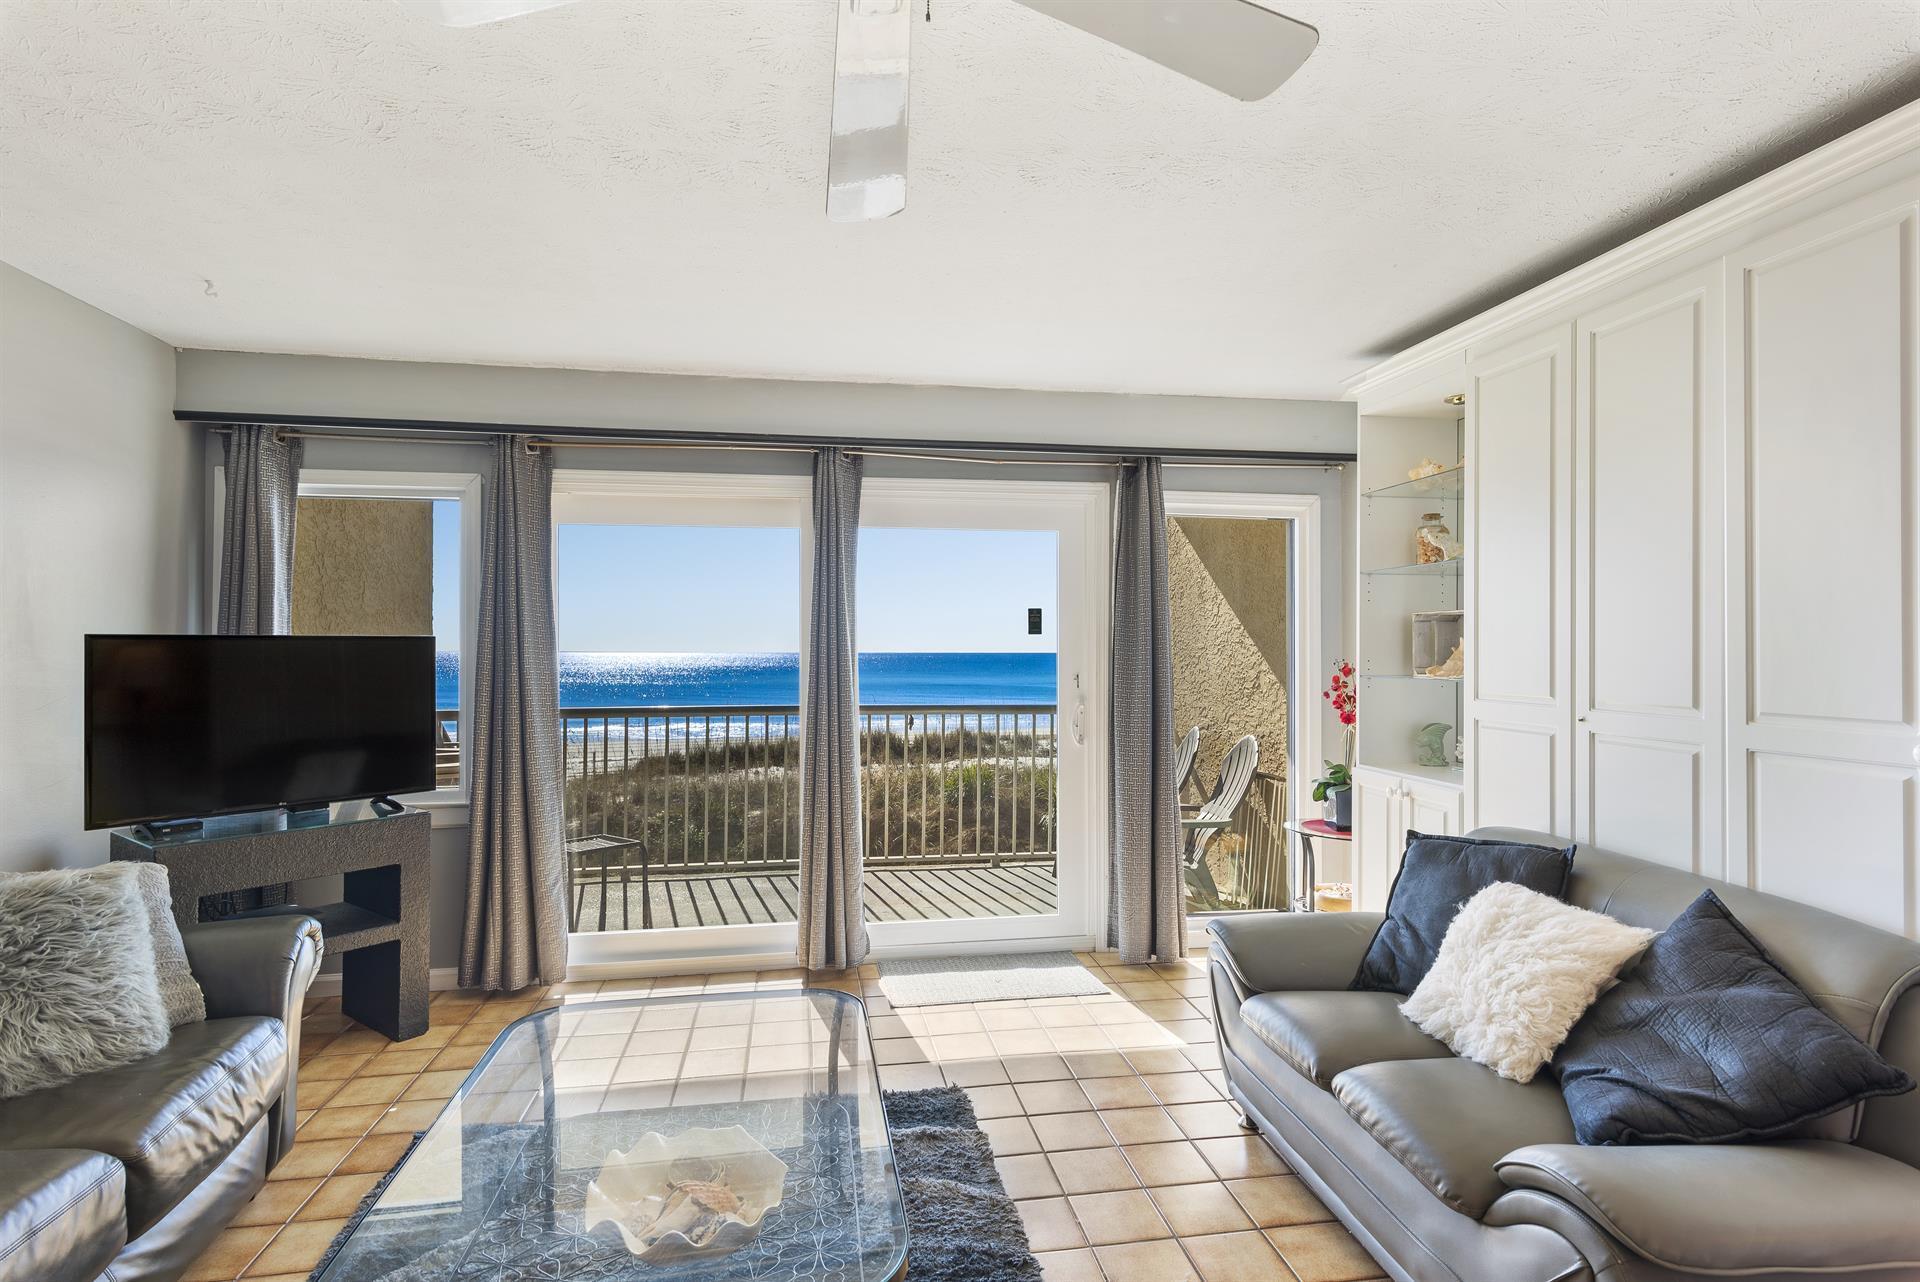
column 715, row 791
column 718, row 788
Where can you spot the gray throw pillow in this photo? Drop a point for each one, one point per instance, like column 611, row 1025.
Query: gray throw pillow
column 1708, row 1041
column 179, row 990
column 79, row 993
column 1437, row 875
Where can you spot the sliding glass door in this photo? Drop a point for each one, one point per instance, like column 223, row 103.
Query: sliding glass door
column 979, row 608
column 680, row 605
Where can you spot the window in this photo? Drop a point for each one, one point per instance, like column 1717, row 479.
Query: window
column 385, row 554
column 677, row 615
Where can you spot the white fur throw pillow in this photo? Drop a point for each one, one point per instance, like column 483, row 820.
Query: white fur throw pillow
column 77, row 987
column 1515, row 972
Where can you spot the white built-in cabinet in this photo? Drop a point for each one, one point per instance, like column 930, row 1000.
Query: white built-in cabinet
column 1386, row 807
column 1692, row 518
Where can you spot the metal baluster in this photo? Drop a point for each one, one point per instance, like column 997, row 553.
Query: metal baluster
column 1033, row 786
column 997, row 741
column 978, row 721
column 686, row 793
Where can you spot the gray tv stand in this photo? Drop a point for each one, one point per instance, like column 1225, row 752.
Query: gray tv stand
column 378, row 928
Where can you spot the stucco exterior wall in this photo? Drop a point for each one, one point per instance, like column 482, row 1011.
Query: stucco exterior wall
column 363, row 567
column 1227, row 580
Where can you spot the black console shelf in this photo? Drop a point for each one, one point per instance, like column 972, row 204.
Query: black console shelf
column 378, row 929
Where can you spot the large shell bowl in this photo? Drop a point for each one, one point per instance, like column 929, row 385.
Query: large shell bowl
column 701, row 1192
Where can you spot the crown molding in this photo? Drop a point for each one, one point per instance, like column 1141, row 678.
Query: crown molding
column 1895, row 134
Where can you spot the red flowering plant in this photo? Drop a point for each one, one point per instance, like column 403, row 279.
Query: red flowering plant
column 1342, row 694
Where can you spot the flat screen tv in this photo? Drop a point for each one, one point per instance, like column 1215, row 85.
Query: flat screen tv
column 187, row 727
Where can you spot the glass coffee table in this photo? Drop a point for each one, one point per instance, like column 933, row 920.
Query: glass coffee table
column 499, row 1187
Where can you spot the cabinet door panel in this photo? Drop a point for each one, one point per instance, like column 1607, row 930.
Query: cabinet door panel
column 1644, row 798
column 1516, row 777
column 1826, row 830
column 1824, row 564
column 1519, row 553
column 1515, row 524
column 1824, row 437
column 1649, row 590
column 1378, row 832
column 1435, row 811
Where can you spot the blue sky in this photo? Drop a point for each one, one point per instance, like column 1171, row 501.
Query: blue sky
column 446, row 574
column 709, row 589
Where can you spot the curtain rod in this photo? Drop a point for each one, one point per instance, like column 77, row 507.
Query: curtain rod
column 555, row 436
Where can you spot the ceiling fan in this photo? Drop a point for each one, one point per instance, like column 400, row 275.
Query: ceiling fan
column 1239, row 47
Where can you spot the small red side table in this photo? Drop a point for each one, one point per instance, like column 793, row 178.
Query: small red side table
column 1307, row 830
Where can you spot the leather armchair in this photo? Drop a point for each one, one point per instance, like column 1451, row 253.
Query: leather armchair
column 260, row 966
column 129, row 1173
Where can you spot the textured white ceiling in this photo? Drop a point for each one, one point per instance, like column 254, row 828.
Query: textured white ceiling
column 640, row 185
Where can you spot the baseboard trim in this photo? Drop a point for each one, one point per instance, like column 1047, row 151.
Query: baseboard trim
column 439, row 979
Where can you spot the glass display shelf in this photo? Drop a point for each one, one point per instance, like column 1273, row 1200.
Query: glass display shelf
column 1436, row 568
column 1408, row 676
column 1441, row 485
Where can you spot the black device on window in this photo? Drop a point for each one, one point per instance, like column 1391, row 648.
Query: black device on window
column 188, row 727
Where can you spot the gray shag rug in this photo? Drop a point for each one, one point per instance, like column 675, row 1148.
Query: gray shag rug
column 961, row 1225
column 945, row 981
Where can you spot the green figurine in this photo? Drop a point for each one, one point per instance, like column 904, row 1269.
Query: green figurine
column 1430, row 744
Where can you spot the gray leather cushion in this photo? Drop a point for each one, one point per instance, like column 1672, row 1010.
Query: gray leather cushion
column 1812, row 1205
column 1437, row 875
column 1706, row 1040
column 170, row 1118
column 1323, row 1034
column 1450, row 1121
column 62, row 1214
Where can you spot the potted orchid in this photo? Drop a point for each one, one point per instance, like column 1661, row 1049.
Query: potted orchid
column 1335, row 787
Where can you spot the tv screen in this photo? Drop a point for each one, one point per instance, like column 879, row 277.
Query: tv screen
column 185, row 727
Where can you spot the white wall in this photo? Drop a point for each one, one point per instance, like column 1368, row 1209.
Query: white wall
column 243, row 382
column 100, row 531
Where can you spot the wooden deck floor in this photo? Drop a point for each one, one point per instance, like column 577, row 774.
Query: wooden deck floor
column 714, row 899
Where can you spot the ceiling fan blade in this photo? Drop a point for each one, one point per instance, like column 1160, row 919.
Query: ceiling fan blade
column 867, row 155
column 1236, row 46
column 474, row 13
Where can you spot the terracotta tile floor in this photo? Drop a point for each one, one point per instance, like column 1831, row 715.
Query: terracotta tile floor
column 1107, row 1117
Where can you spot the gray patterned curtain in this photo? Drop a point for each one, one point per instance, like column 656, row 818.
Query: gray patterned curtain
column 256, row 575
column 256, row 541
column 1146, row 908
column 833, row 925
column 516, row 927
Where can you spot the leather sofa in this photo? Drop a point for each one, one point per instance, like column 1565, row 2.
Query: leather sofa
column 1444, row 1170
column 128, row 1174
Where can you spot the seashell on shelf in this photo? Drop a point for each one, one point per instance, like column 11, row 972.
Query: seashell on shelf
column 701, row 1192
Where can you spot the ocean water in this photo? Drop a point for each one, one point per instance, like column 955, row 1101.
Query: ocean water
column 710, row 680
